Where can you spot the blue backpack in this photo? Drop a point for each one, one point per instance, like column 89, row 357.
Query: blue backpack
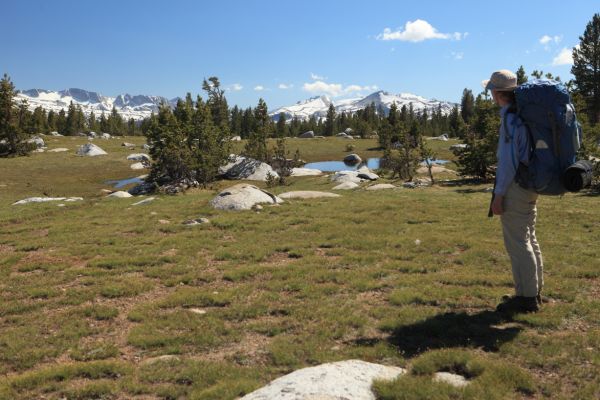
column 546, row 109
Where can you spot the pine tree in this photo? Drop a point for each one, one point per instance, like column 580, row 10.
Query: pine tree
column 456, row 123
column 217, row 103
column 171, row 160
column 330, row 126
column 92, row 122
column 281, row 128
column 51, row 121
column 72, row 119
column 236, row 121
column 256, row 147
column 131, row 127
column 467, row 104
column 15, row 140
column 586, row 68
column 479, row 156
column 24, row 118
column 521, row 76
column 209, row 144
column 61, row 122
column 248, row 124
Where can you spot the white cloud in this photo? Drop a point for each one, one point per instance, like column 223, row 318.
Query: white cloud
column 259, row 88
column 316, row 77
column 284, row 86
column 564, row 57
column 335, row 89
column 547, row 39
column 235, row 87
column 458, row 55
column 417, row 31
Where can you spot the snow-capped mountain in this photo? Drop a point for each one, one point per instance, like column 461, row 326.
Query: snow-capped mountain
column 128, row 106
column 318, row 106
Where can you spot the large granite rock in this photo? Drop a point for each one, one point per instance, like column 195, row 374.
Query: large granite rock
column 306, row 194
column 346, row 186
column 91, row 150
column 38, row 141
column 305, row 172
column 352, row 159
column 381, row 186
column 138, row 157
column 247, row 169
column 366, row 173
column 243, row 197
column 346, row 176
column 342, row 380
column 307, row 135
column 120, row 194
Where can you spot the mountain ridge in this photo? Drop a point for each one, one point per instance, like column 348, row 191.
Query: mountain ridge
column 317, row 106
column 142, row 106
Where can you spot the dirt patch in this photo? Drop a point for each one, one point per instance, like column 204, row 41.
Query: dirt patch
column 250, row 350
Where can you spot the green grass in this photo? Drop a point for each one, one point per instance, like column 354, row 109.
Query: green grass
column 93, row 292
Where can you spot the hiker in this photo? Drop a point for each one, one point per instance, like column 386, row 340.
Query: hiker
column 515, row 205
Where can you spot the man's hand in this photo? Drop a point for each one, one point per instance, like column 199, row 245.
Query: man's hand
column 497, row 208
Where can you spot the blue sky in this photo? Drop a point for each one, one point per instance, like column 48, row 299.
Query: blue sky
column 281, row 50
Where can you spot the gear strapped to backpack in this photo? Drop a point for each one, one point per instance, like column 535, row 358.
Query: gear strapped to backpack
column 546, row 109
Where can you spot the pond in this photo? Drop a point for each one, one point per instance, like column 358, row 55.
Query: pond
column 334, row 166
column 124, row 182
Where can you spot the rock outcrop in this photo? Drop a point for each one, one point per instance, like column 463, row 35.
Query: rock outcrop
column 247, row 169
column 349, row 380
column 91, row 150
column 243, row 197
column 307, row 135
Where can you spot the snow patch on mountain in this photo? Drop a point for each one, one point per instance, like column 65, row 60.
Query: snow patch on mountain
column 137, row 106
column 318, row 106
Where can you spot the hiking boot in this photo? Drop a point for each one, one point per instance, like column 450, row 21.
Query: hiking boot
column 518, row 304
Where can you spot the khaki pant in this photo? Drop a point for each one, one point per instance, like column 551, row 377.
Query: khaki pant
column 518, row 227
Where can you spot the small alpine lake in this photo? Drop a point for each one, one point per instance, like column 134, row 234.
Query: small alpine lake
column 335, row 166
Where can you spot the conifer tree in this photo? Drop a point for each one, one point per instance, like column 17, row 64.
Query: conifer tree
column 586, row 68
column 15, row 139
column 171, row 159
column 217, row 103
column 521, row 76
column 51, row 121
column 210, row 145
column 467, row 104
column 248, row 123
column 236, row 121
column 330, row 125
column 72, row 120
column 92, row 122
column 131, row 127
column 61, row 122
column 456, row 124
column 256, row 147
column 281, row 128
column 40, row 121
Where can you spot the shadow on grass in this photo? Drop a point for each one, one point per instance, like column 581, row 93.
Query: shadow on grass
column 463, row 182
column 486, row 330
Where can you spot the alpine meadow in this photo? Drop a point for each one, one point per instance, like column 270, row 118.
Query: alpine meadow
column 312, row 201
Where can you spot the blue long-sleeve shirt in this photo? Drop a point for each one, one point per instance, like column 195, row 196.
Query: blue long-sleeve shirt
column 511, row 150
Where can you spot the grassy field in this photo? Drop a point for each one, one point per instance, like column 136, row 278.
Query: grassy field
column 102, row 299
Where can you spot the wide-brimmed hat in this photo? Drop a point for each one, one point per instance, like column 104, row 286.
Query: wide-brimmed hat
column 503, row 80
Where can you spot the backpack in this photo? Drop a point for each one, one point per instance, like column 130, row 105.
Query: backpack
column 546, row 109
